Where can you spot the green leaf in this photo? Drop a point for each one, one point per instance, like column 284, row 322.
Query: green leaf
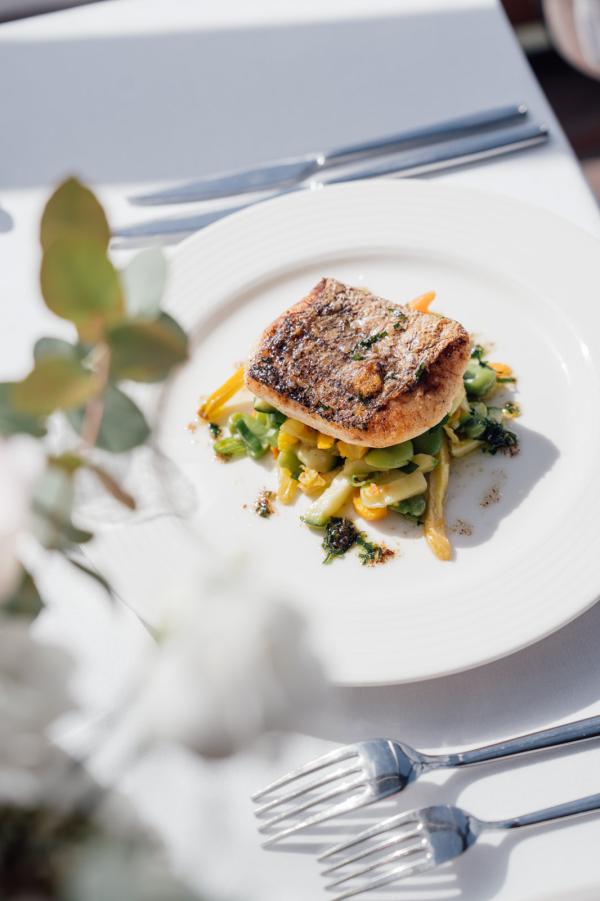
column 93, row 574
column 80, row 283
column 123, row 425
column 54, row 383
column 145, row 350
column 13, row 421
column 56, row 347
column 73, row 210
column 144, row 282
column 25, row 600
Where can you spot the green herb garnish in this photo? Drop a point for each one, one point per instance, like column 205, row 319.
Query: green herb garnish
column 214, row 429
column 419, row 372
column 366, row 343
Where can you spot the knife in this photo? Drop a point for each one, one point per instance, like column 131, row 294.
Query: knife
column 425, row 160
column 287, row 172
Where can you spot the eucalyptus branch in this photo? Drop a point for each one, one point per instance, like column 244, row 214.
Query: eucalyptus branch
column 94, row 410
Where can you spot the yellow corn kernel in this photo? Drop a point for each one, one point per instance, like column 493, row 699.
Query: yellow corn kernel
column 503, row 370
column 311, row 481
column 299, row 430
column 219, row 398
column 285, row 441
column 422, row 302
column 324, row 442
column 287, row 487
column 371, row 514
column 351, row 451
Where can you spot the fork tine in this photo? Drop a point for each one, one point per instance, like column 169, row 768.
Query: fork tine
column 373, row 849
column 352, row 803
column 383, row 826
column 314, row 765
column 416, row 848
column 326, row 796
column 401, row 872
column 283, row 799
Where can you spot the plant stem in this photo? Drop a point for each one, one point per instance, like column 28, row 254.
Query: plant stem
column 94, row 411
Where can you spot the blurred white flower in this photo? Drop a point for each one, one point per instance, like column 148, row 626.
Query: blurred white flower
column 21, row 461
column 231, row 663
column 33, row 694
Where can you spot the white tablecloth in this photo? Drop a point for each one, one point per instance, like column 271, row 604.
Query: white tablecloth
column 135, row 93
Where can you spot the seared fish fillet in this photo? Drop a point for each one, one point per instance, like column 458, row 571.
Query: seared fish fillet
column 359, row 367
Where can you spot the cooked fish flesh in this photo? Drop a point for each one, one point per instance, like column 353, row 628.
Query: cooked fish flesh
column 359, row 367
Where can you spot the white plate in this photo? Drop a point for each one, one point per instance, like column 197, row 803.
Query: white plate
column 514, row 275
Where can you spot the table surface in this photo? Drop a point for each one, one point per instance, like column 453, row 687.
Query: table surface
column 136, row 93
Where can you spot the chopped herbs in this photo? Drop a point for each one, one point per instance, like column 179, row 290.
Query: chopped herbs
column 400, row 318
column 264, row 503
column 419, row 372
column 497, row 438
column 478, row 352
column 370, row 553
column 340, row 535
column 214, row 429
column 366, row 343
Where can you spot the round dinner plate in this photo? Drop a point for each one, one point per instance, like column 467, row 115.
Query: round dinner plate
column 524, row 528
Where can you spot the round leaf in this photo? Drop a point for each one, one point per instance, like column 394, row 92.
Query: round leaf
column 14, row 421
column 54, row 383
column 73, row 210
column 146, row 351
column 80, row 283
column 56, row 347
column 144, row 282
column 123, row 424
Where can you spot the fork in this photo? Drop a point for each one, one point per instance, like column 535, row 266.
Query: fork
column 422, row 839
column 369, row 771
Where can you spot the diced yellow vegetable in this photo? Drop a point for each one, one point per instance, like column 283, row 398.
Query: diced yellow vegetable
column 435, row 526
column 371, row 514
column 423, row 302
column 299, row 430
column 398, row 488
column 462, row 448
column 502, row 370
column 311, row 481
column 324, row 442
column 287, row 488
column 285, row 441
column 219, row 398
column 351, row 451
column 451, row 434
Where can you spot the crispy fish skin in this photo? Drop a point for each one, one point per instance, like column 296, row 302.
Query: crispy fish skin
column 359, row 367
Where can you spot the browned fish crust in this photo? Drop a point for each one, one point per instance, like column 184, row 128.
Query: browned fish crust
column 359, row 367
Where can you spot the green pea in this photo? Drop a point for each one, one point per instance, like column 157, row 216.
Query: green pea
column 472, row 427
column 429, row 442
column 390, row 457
column 412, row 507
column 479, row 380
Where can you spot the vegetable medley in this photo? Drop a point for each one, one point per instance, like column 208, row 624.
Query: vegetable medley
column 408, row 479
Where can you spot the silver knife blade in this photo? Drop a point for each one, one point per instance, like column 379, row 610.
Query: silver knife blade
column 288, row 172
column 423, row 161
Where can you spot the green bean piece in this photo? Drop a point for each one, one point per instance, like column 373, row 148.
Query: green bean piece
column 390, row 457
column 288, row 460
column 263, row 406
column 479, row 379
column 255, row 446
column 230, row 447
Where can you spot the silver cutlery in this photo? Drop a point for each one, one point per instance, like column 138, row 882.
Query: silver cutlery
column 422, row 161
column 362, row 773
column 287, row 172
column 417, row 841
